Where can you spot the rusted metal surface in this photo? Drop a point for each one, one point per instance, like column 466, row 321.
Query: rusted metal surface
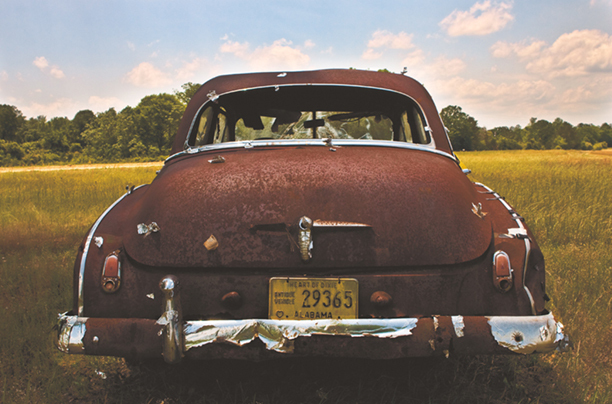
column 361, row 338
column 219, row 221
column 418, row 204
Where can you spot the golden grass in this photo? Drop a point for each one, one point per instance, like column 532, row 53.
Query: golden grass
column 565, row 196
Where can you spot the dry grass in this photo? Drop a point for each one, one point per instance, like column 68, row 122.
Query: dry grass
column 565, row 196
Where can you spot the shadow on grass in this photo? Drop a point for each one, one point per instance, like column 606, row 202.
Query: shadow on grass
column 438, row 380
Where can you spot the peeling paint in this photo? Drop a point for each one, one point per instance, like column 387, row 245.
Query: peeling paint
column 458, row 325
column 147, row 229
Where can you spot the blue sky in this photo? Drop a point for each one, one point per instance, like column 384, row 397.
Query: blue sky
column 503, row 62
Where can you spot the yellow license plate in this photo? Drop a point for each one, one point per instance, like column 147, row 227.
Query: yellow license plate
column 313, row 298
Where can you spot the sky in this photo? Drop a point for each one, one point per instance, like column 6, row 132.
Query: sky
column 502, row 62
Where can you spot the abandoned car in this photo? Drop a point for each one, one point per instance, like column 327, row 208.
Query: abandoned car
column 317, row 213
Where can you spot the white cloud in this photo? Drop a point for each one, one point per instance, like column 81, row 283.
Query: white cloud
column 414, row 58
column 147, row 75
column 505, row 93
column 4, row 75
column 57, row 73
column 41, row 62
column 59, row 107
column 371, row 54
column 104, row 103
column 442, row 66
column 482, row 19
column 577, row 53
column 308, row 44
column 279, row 55
column 503, row 49
column 190, row 69
column 386, row 39
column 131, row 46
column 235, row 48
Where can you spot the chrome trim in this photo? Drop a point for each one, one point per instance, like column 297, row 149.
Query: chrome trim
column 510, row 277
column 305, row 238
column 88, row 241
column 309, row 142
column 70, row 333
column 518, row 221
column 518, row 334
column 278, row 335
column 529, row 335
column 116, row 281
column 171, row 320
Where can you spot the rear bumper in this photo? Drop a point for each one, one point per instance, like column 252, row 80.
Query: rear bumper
column 260, row 339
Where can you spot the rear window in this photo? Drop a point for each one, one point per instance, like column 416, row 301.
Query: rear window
column 237, row 119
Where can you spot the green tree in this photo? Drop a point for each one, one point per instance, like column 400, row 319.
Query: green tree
column 101, row 137
column 80, row 122
column 462, row 129
column 189, row 90
column 605, row 134
column 158, row 118
column 11, row 120
column 567, row 132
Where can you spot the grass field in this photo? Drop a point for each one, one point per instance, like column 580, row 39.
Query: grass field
column 566, row 198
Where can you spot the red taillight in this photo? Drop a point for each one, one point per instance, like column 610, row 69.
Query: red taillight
column 111, row 273
column 502, row 271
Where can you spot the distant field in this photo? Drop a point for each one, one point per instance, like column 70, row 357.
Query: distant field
column 565, row 196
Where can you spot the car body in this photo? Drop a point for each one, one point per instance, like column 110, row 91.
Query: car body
column 317, row 213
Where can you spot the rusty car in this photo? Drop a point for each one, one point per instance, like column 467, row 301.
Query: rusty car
column 311, row 213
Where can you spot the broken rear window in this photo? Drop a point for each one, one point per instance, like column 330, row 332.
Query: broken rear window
column 362, row 114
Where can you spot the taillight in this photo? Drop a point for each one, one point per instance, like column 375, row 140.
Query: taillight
column 502, row 271
column 111, row 273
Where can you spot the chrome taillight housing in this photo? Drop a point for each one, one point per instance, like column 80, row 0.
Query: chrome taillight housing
column 502, row 271
column 111, row 273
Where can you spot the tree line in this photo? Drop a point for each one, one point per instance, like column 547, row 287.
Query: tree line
column 146, row 132
column 539, row 134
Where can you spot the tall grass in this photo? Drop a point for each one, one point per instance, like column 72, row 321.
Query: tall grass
column 43, row 217
column 566, row 198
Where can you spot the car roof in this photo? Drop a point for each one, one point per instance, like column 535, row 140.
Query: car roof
column 342, row 77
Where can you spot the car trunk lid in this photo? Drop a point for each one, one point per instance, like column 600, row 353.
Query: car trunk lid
column 412, row 207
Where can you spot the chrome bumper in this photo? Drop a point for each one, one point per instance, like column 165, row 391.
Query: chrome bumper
column 379, row 338
column 257, row 339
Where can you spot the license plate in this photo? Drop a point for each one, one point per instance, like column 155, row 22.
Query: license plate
column 313, row 298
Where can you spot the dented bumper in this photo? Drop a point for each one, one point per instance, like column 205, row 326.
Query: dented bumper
column 260, row 339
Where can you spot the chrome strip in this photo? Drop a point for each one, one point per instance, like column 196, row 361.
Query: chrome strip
column 278, row 335
column 310, row 142
column 171, row 320
column 518, row 334
column 531, row 335
column 518, row 221
column 70, row 334
column 88, row 241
